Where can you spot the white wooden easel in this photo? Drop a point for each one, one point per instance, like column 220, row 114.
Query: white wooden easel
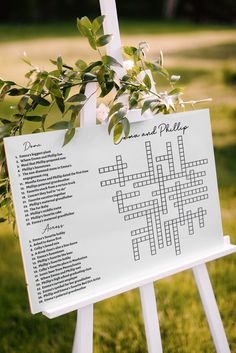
column 83, row 340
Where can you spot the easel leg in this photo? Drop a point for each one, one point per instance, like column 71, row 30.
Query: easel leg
column 211, row 309
column 83, row 340
column 151, row 322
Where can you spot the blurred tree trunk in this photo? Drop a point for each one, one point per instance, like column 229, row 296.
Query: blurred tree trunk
column 170, row 9
column 34, row 12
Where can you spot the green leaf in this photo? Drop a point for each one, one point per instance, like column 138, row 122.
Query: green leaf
column 92, row 42
column 17, row 91
column 2, row 83
column 54, row 73
column 130, row 51
column 22, row 103
column 81, row 64
column 115, row 108
column 59, row 125
column 5, row 202
column 68, row 136
column 133, row 102
column 158, row 69
column 37, row 87
column 110, row 61
column 17, row 116
column 84, row 31
column 66, row 91
column 117, row 113
column 5, row 121
column 93, row 65
column 106, row 88
column 53, row 87
column 60, row 104
column 26, row 59
column 113, row 121
column 2, row 219
column 81, row 27
column 11, row 83
column 120, row 92
column 34, row 118
column 177, row 90
column 76, row 108
column 59, row 63
column 85, row 27
column 126, row 126
column 121, row 113
column 74, row 115
column 2, row 157
column 44, row 74
column 3, row 171
column 161, row 59
column 77, row 98
column 55, row 62
column 147, row 81
column 103, row 40
column 44, row 117
column 89, row 77
column 97, row 23
column 4, row 92
column 3, row 189
column 118, row 129
column 5, row 130
column 164, row 72
column 147, row 104
column 85, row 21
column 37, row 131
column 40, row 100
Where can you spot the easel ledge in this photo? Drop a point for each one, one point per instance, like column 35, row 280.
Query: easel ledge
column 57, row 310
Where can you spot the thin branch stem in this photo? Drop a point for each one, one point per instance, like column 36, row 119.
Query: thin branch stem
column 197, row 101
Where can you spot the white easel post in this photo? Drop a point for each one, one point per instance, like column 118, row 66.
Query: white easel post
column 211, row 309
column 111, row 26
column 83, row 339
column 150, row 316
column 147, row 293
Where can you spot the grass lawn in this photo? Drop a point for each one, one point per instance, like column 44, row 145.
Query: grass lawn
column 31, row 31
column 118, row 324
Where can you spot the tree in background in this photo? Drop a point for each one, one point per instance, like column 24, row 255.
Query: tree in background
column 170, row 9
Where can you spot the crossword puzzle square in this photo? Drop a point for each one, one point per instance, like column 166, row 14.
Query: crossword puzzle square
column 101, row 215
column 172, row 206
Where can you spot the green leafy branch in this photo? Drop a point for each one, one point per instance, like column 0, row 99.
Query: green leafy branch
column 64, row 89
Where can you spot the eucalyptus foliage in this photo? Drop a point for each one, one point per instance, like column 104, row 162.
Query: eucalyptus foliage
column 65, row 88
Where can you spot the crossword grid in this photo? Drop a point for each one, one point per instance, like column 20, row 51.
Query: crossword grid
column 187, row 190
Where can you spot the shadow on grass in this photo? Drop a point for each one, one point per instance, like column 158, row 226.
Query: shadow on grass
column 215, row 52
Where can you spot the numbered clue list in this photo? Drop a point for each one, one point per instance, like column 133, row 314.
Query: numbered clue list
column 44, row 185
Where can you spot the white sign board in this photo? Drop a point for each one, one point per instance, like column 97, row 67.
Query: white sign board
column 92, row 214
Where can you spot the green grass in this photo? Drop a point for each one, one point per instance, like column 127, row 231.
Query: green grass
column 215, row 52
column 118, row 323
column 9, row 32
